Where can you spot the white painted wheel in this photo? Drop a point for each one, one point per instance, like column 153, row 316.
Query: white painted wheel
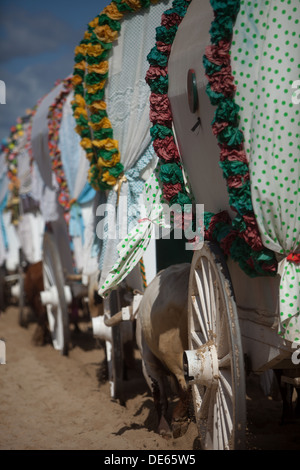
column 117, row 354
column 2, row 289
column 22, row 302
column 214, row 363
column 57, row 311
column 118, row 346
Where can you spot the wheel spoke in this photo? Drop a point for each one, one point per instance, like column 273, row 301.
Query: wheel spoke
column 203, row 315
column 198, row 316
column 207, row 297
column 226, row 405
column 196, row 338
column 53, row 277
column 48, row 280
column 210, row 428
column 222, row 336
column 220, row 424
column 225, row 422
column 213, row 299
column 217, row 426
column 225, row 361
column 204, row 411
column 198, row 391
column 225, row 382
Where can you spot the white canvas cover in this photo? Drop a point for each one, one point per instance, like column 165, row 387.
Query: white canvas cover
column 30, row 226
column 127, row 98
column 76, row 167
column 44, row 185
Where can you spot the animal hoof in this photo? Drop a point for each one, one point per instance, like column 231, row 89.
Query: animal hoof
column 166, row 435
column 40, row 336
column 179, row 428
column 164, row 429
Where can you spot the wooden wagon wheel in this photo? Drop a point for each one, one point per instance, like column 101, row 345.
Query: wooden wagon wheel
column 214, row 363
column 22, row 299
column 2, row 290
column 54, row 295
column 116, row 354
column 22, row 321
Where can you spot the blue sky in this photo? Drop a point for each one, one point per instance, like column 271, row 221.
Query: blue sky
column 37, row 42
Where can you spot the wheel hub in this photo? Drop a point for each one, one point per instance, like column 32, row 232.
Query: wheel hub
column 201, row 365
column 100, row 330
column 51, row 297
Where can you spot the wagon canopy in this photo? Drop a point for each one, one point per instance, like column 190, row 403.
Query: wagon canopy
column 112, row 113
column 21, row 218
column 44, row 182
column 60, row 171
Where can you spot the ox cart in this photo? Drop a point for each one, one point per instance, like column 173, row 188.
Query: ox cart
column 229, row 105
column 9, row 248
column 65, row 202
column 21, row 224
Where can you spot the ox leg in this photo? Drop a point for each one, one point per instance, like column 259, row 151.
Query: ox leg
column 33, row 285
column 161, row 404
column 41, row 335
column 74, row 314
column 155, row 377
column 180, row 415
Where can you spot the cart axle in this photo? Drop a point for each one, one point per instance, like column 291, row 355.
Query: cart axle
column 51, row 297
column 201, row 365
column 100, row 329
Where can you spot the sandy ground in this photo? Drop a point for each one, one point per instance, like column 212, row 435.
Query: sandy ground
column 52, row 402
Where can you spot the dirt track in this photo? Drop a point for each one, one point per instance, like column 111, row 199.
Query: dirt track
column 51, row 402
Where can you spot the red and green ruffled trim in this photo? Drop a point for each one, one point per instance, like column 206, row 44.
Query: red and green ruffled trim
column 12, row 154
column 171, row 173
column 238, row 238
column 54, row 121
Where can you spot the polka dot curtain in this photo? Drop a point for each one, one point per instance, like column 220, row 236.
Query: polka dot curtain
column 265, row 57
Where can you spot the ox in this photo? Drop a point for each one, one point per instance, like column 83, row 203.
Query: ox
column 161, row 331
column 33, row 285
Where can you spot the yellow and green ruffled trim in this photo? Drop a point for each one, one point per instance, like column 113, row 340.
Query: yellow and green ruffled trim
column 89, row 79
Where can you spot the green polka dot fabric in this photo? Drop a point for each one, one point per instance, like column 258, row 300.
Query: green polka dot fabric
column 265, row 57
column 133, row 246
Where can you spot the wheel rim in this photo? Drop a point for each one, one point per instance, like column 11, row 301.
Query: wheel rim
column 22, row 321
column 214, row 340
column 53, row 313
column 117, row 366
column 57, row 312
column 2, row 290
